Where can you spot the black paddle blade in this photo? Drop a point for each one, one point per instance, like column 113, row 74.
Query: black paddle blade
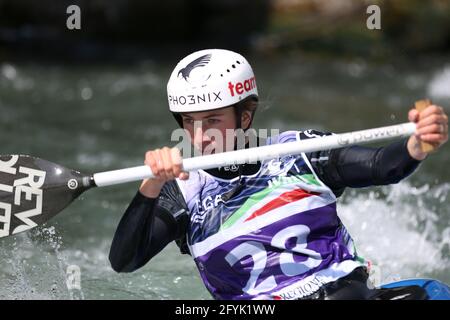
column 33, row 190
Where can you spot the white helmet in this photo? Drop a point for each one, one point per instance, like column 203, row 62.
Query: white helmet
column 210, row 79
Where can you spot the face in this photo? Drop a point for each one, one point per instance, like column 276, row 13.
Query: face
column 208, row 130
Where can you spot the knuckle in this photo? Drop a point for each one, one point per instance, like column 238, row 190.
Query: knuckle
column 159, row 164
column 163, row 176
column 177, row 166
column 150, row 159
column 168, row 173
column 150, row 162
column 175, row 152
column 149, row 155
column 434, row 118
column 176, row 170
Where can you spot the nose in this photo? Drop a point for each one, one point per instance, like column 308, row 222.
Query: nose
column 200, row 138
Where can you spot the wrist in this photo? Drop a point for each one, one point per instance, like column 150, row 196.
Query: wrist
column 415, row 149
column 151, row 188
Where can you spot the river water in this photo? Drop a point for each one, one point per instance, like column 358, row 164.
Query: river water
column 96, row 118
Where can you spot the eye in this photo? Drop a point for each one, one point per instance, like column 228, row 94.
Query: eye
column 188, row 121
column 213, row 121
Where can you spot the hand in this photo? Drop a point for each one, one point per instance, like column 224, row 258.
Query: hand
column 166, row 164
column 432, row 127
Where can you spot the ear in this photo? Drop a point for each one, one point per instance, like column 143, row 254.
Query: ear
column 246, row 119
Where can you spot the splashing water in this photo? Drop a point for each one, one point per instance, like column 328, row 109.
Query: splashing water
column 34, row 268
column 439, row 87
column 397, row 228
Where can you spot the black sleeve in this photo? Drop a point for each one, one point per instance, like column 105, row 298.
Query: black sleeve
column 147, row 226
column 358, row 166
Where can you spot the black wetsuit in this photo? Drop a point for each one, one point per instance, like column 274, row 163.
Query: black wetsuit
column 148, row 225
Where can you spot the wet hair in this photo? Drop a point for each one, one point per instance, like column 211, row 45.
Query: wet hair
column 250, row 104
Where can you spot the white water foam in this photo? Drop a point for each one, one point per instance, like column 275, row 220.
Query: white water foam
column 404, row 235
column 439, row 86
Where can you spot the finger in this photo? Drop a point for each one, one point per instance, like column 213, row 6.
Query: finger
column 160, row 164
column 433, row 128
column 431, row 119
column 167, row 163
column 434, row 137
column 432, row 109
column 413, row 115
column 151, row 162
column 183, row 176
column 177, row 161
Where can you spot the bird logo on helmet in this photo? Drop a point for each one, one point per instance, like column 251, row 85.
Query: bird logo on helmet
column 199, row 62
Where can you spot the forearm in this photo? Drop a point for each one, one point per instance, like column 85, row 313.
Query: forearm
column 151, row 188
column 361, row 166
column 140, row 235
column 394, row 163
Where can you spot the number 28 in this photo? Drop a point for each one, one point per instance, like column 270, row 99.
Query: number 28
column 287, row 263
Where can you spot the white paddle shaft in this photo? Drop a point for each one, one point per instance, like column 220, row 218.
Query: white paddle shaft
column 253, row 155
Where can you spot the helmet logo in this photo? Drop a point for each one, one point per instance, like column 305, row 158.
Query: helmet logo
column 199, row 62
column 241, row 87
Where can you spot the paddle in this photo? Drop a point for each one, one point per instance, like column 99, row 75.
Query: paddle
column 420, row 106
column 33, row 190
